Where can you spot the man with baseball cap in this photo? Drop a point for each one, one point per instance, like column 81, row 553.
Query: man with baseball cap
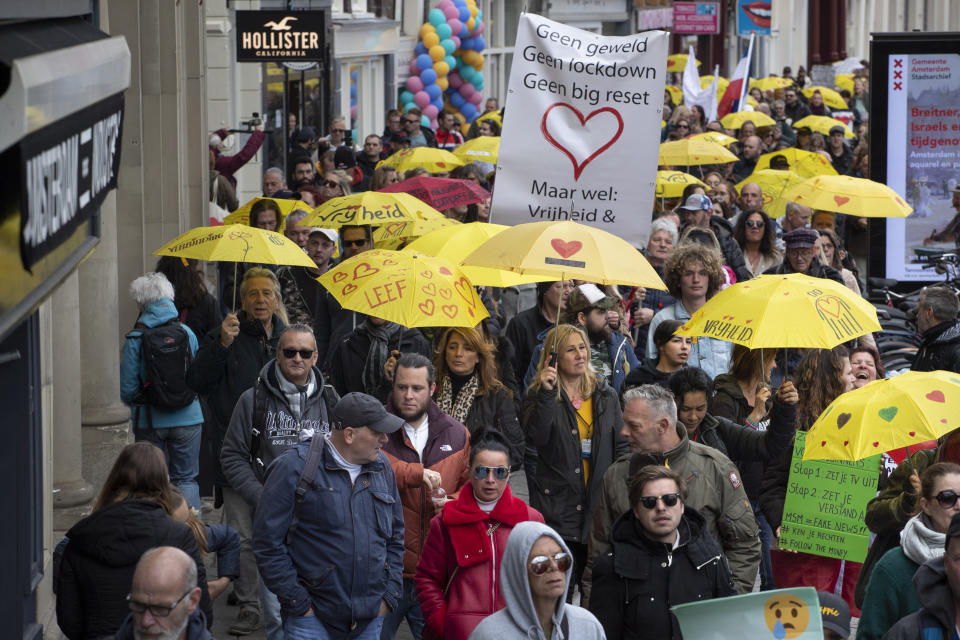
column 834, row 615
column 841, row 155
column 322, row 248
column 937, row 582
column 328, row 532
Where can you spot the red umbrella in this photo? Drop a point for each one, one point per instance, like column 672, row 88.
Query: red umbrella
column 440, row 193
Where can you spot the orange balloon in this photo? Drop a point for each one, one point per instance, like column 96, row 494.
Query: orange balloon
column 442, row 68
column 431, row 39
column 471, row 24
column 437, row 53
column 427, row 29
column 478, row 62
column 442, row 82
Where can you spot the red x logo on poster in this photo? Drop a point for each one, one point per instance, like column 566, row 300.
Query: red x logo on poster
column 898, row 63
column 898, row 74
column 898, row 86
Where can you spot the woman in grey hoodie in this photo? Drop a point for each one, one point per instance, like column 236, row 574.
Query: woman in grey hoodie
column 534, row 574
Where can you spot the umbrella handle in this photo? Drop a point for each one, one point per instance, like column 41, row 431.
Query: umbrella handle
column 233, row 308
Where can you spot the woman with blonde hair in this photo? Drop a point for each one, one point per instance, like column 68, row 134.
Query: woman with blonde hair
column 573, row 418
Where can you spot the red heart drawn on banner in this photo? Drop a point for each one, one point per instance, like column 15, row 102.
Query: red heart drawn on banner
column 841, row 200
column 566, row 249
column 450, row 310
column 339, row 276
column 427, row 307
column 557, row 125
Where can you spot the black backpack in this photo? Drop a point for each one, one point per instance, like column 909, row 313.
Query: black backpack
column 165, row 351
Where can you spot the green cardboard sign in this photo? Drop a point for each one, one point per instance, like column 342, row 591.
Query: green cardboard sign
column 826, row 500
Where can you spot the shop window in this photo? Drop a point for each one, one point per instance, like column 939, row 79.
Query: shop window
column 362, row 99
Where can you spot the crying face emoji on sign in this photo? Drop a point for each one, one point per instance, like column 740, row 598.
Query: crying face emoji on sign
column 786, row 616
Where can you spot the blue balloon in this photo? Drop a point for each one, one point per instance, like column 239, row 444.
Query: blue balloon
column 424, row 62
column 420, row 49
column 444, row 31
column 428, row 76
column 353, row 92
column 481, row 44
column 469, row 111
column 479, row 17
column 436, row 17
column 353, row 74
column 425, row 121
column 448, row 46
column 464, row 13
column 438, row 103
column 406, row 97
column 410, row 105
column 451, row 62
column 457, row 100
column 466, row 43
column 434, row 91
column 478, row 82
column 464, row 32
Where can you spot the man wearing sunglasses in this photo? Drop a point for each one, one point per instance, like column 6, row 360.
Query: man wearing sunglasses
column 715, row 489
column 164, row 597
column 662, row 548
column 420, row 136
column 289, row 403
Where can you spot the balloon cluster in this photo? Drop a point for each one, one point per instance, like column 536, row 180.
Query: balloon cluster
column 353, row 96
column 446, row 71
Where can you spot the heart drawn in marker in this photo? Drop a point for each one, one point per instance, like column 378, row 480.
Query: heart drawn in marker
column 429, row 289
column 449, row 310
column 842, row 419
column 348, row 289
column 363, row 270
column 339, row 276
column 566, row 249
column 427, row 307
column 887, row 414
column 936, row 396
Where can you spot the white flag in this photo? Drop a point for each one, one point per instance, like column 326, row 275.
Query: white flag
column 693, row 94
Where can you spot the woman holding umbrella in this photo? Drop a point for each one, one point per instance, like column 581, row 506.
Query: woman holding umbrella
column 572, row 416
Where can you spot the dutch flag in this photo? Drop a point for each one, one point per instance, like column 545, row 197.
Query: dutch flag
column 735, row 97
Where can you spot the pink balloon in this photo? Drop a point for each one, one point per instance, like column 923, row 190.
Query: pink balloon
column 478, row 30
column 353, row 112
column 431, row 111
column 414, row 69
column 454, row 79
column 414, row 84
column 467, row 90
column 433, row 124
column 444, row 4
column 421, row 99
column 456, row 41
column 476, row 98
column 450, row 13
column 455, row 25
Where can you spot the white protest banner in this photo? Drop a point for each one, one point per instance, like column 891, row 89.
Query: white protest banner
column 581, row 129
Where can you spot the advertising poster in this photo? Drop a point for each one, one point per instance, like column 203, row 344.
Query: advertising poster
column 754, row 16
column 700, row 18
column 923, row 157
column 585, row 105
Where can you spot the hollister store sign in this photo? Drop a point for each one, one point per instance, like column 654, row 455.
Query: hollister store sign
column 277, row 36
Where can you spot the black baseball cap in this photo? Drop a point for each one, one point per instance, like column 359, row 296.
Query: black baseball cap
column 834, row 613
column 361, row 410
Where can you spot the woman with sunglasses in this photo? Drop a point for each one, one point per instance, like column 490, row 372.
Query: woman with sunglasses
column 335, row 184
column 458, row 578
column 662, row 550
column 754, row 233
column 572, row 416
column 536, row 567
column 891, row 594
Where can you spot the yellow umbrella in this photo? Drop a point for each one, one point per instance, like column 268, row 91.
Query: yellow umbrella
column 773, row 183
column 830, row 97
column 675, row 93
column 480, row 149
column 770, row 83
column 670, row 184
column 370, row 207
column 456, row 243
column 433, row 160
column 852, row 196
column 781, row 311
column 242, row 215
column 844, row 81
column 236, row 243
column 409, row 288
column 886, row 414
column 737, row 119
column 493, row 115
column 677, row 62
column 715, row 136
column 806, row 164
column 391, row 236
column 566, row 249
column 693, row 151
column 822, row 124
column 722, row 83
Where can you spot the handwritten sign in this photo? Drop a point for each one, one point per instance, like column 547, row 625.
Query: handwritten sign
column 826, row 499
column 574, row 149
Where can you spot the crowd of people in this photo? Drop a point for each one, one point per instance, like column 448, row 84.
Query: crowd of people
column 568, row 468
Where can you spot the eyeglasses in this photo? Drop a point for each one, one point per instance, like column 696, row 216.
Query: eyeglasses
column 291, row 353
column 354, row 243
column 682, row 126
column 481, row 472
column 755, row 224
column 541, row 564
column 411, row 121
column 947, row 498
column 669, row 500
column 156, row 610
column 333, row 184
column 338, row 130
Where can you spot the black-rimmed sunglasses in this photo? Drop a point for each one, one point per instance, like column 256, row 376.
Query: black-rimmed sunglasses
column 947, row 498
column 669, row 500
column 354, row 243
column 291, row 353
column 539, row 565
column 480, row 472
column 156, row 610
column 755, row 224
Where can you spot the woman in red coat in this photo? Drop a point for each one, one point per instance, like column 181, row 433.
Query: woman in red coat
column 458, row 577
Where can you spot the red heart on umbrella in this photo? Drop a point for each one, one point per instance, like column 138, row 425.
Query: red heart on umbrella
column 348, row 289
column 445, row 271
column 427, row 307
column 936, row 396
column 566, row 249
column 841, row 200
column 450, row 310
column 339, row 275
